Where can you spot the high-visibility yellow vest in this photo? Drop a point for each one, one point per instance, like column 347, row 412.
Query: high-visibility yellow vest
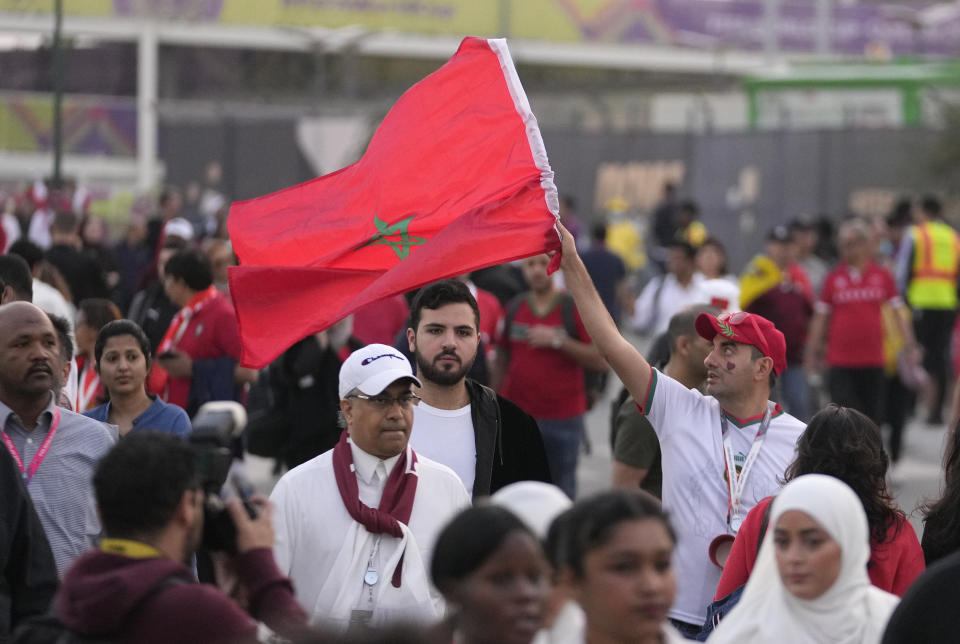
column 936, row 254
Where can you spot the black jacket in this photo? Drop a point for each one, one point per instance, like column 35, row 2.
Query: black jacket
column 509, row 445
column 293, row 406
column 81, row 270
column 153, row 311
column 29, row 578
column 928, row 611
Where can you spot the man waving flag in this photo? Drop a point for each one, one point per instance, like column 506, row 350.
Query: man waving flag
column 456, row 178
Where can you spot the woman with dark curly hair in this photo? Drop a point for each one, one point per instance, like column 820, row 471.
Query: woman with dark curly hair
column 941, row 523
column 843, row 443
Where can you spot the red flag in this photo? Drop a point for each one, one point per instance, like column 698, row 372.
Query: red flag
column 455, row 179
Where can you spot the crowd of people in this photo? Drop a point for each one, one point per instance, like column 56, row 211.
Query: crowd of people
column 427, row 446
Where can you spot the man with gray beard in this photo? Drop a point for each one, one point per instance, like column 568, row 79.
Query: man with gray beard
column 486, row 439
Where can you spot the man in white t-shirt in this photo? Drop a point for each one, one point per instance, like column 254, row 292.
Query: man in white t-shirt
column 700, row 434
column 486, row 439
column 666, row 294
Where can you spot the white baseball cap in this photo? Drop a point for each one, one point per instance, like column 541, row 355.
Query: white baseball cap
column 179, row 227
column 721, row 293
column 374, row 368
column 536, row 504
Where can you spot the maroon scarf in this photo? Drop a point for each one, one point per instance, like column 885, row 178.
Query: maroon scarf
column 396, row 504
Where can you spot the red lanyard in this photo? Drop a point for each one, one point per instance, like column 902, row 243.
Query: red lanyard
column 180, row 321
column 41, row 453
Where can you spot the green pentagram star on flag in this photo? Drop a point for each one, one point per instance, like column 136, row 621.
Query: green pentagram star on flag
column 384, row 230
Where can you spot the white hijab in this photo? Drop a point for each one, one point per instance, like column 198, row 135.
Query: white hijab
column 851, row 611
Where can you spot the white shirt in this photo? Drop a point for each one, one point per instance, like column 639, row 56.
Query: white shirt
column 653, row 310
column 568, row 628
column 446, row 436
column 325, row 552
column 11, row 226
column 695, row 493
column 669, row 633
column 39, row 230
column 50, row 300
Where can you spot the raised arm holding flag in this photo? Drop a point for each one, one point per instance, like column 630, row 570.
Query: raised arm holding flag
column 721, row 452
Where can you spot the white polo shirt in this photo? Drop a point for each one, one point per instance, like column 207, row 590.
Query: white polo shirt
column 326, row 553
column 695, row 492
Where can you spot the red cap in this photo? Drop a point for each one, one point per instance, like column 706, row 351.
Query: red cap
column 747, row 328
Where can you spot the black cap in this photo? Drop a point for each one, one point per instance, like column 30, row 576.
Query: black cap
column 802, row 223
column 779, row 234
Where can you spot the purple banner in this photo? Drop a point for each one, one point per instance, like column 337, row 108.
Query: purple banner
column 700, row 24
column 187, row 10
column 740, row 25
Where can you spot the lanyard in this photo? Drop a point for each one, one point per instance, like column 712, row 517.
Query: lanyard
column 89, row 383
column 181, row 320
column 128, row 548
column 371, row 577
column 736, row 483
column 41, row 453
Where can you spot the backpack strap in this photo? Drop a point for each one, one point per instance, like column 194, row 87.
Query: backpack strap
column 513, row 306
column 763, row 525
column 655, row 313
column 568, row 313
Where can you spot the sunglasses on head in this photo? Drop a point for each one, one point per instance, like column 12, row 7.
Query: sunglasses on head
column 739, row 316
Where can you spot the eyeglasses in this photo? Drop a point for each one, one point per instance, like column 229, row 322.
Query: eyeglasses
column 383, row 403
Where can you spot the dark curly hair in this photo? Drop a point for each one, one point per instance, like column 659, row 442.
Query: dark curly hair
column 843, row 443
column 941, row 522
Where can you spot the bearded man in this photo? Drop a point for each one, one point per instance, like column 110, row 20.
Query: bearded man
column 486, row 439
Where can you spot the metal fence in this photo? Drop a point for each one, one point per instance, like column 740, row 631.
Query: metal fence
column 747, row 182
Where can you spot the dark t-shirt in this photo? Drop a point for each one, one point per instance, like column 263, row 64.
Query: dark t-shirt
column 635, row 444
column 606, row 270
column 83, row 273
column 664, row 222
column 153, row 311
column 790, row 312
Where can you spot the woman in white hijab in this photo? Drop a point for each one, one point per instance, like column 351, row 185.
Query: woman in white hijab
column 810, row 583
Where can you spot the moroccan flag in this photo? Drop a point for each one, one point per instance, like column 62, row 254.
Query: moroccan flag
column 455, row 179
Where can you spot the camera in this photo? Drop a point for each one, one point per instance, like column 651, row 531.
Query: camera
column 215, row 442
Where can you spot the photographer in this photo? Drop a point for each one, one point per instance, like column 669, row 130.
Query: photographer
column 137, row 587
